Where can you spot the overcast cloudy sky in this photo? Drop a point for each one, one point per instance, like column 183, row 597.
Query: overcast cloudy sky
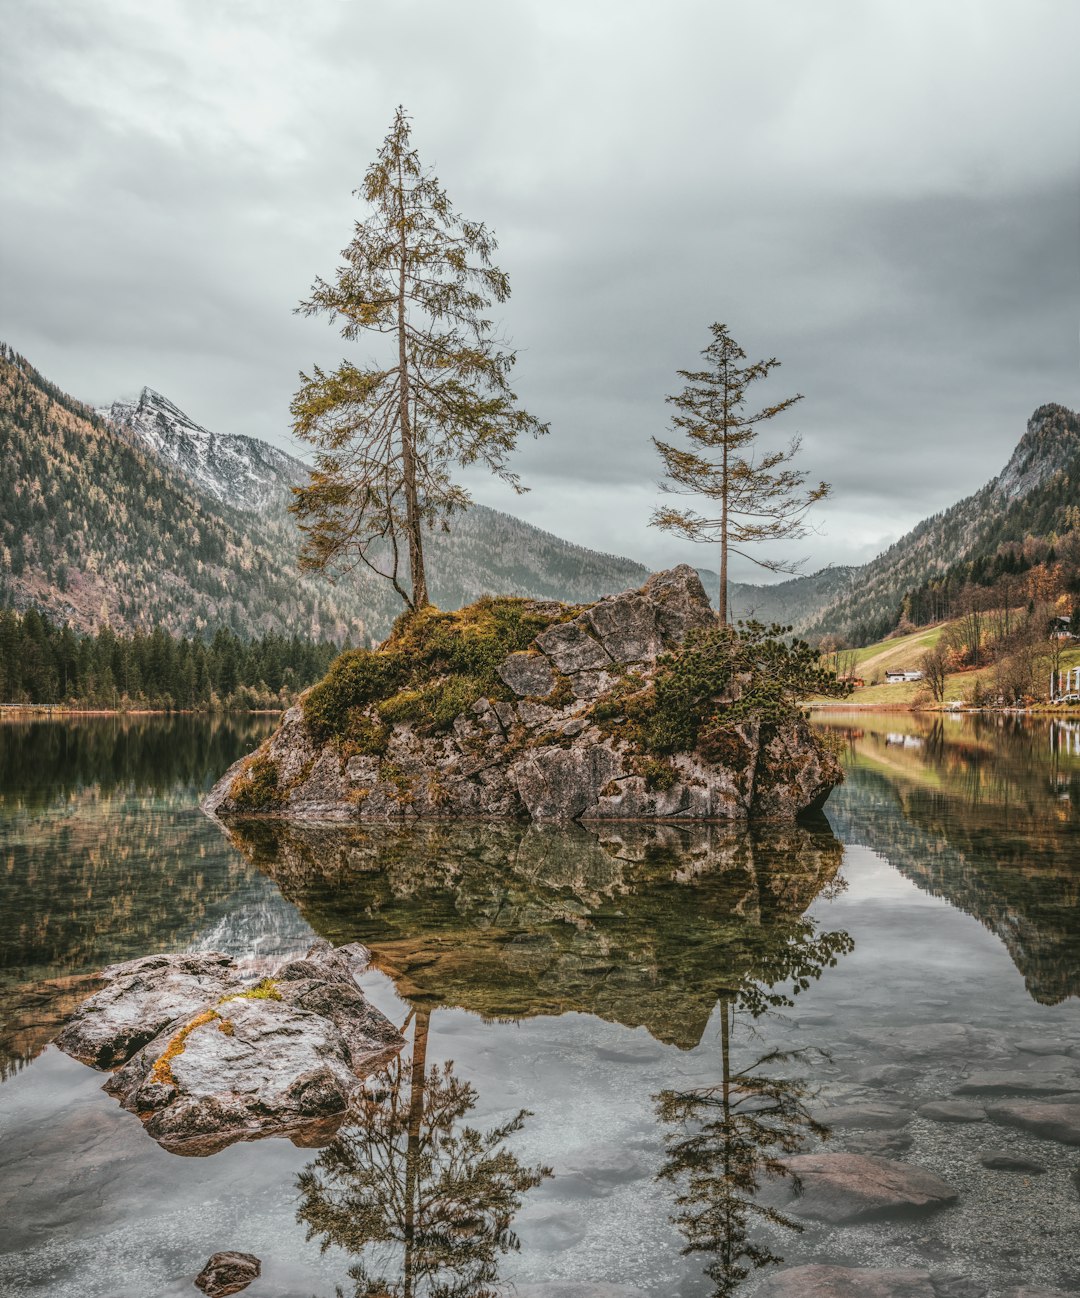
column 886, row 196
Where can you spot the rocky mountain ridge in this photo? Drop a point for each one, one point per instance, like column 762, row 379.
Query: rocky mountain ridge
column 243, row 472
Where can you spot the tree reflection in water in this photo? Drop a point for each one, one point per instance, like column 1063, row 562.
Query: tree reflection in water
column 728, row 1139
column 423, row 1202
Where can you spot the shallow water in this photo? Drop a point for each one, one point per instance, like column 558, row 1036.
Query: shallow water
column 608, row 982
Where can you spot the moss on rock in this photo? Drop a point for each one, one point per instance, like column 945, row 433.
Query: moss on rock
column 430, row 670
column 257, row 787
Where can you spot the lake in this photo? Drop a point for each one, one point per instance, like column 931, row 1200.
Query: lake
column 613, row 1032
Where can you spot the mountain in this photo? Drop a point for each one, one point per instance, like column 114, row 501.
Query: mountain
column 238, row 471
column 144, row 517
column 974, row 540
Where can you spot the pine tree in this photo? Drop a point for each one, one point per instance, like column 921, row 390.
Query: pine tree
column 760, row 498
column 387, row 437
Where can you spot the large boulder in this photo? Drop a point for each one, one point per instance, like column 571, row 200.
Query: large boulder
column 544, row 742
column 1053, row 1120
column 139, row 1000
column 281, row 1057
column 842, row 1188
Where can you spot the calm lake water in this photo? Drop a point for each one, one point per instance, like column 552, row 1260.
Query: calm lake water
column 845, row 972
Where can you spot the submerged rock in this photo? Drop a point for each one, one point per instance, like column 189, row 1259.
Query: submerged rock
column 228, row 1273
column 817, row 1281
column 1005, row 1082
column 952, row 1111
column 1002, row 1161
column 282, row 1057
column 841, row 1188
column 551, row 732
column 1054, row 1120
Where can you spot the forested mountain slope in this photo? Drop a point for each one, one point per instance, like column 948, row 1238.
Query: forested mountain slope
column 1029, row 498
column 151, row 519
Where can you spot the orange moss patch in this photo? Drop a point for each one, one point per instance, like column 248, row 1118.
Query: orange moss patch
column 162, row 1069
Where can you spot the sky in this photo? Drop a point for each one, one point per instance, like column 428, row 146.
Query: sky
column 884, row 196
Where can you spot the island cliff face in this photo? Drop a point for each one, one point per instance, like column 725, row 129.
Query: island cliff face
column 451, row 724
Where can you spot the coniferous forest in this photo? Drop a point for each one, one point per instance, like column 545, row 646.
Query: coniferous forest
column 41, row 663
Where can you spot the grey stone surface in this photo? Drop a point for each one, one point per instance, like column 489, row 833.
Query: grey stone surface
column 572, row 648
column 141, row 998
column 228, row 1273
column 1002, row 1161
column 1037, row 1291
column 1053, row 1121
column 818, row 1281
column 871, row 1115
column 952, row 1111
column 549, row 761
column 283, row 1058
column 528, row 674
column 925, row 1040
column 1011, row 1082
column 841, row 1188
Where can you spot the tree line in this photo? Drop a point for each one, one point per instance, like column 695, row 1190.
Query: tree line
column 42, row 662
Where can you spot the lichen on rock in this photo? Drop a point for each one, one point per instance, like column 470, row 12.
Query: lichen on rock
column 640, row 706
column 205, row 1060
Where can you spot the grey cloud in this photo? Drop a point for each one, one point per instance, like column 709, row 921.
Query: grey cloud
column 884, row 199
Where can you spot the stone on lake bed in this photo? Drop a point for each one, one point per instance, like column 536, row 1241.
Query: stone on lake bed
column 922, row 1040
column 282, row 1058
column 998, row 1160
column 1005, row 1082
column 1053, row 1120
column 952, row 1111
column 882, row 1144
column 818, row 1281
column 1044, row 1046
column 228, row 1273
column 884, row 1074
column 872, row 1115
column 841, row 1188
column 1036, row 1291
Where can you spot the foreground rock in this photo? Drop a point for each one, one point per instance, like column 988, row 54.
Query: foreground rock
column 551, row 732
column 841, row 1188
column 140, row 999
column 1051, row 1120
column 228, row 1273
column 240, row 1062
column 816, row 1281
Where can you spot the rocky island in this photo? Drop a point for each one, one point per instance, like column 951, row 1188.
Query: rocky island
column 638, row 707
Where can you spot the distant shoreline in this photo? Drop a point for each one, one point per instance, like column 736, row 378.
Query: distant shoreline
column 38, row 711
column 1036, row 710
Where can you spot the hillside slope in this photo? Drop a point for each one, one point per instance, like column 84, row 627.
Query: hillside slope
column 1028, row 498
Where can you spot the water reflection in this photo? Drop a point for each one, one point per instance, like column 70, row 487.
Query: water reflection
column 421, row 1200
column 106, row 859
column 725, row 1141
column 983, row 811
column 641, row 925
column 648, row 926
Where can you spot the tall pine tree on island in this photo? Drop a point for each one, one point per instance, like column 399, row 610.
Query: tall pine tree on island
column 760, row 498
column 387, row 436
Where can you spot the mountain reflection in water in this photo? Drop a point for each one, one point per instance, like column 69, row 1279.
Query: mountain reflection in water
column 982, row 811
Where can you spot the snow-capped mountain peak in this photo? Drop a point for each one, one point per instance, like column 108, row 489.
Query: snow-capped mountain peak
column 240, row 471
